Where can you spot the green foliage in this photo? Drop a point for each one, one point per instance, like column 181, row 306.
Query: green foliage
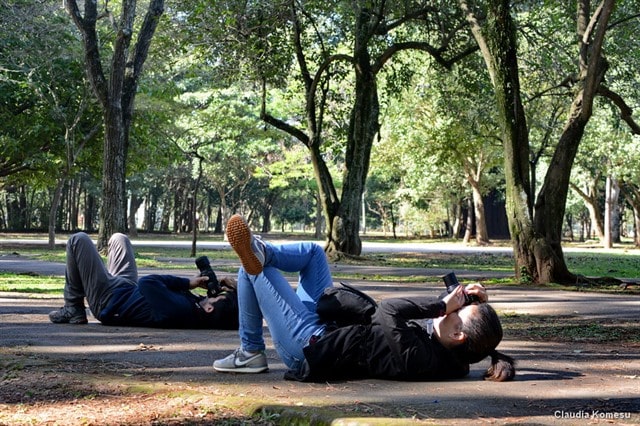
column 44, row 100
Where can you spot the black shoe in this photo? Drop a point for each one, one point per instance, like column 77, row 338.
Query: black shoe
column 69, row 315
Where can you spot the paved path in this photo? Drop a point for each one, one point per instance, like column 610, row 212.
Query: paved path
column 555, row 383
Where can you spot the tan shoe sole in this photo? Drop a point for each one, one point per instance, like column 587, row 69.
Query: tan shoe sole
column 239, row 236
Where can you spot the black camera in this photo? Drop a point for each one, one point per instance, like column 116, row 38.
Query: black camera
column 451, row 282
column 213, row 286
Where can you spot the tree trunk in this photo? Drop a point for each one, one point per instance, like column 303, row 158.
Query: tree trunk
column 569, row 220
column 612, row 191
column 590, row 198
column 632, row 194
column 363, row 127
column 113, row 211
column 74, row 204
column 89, row 211
column 468, row 227
column 116, row 95
column 551, row 201
column 53, row 213
column 497, row 43
column 457, row 222
column 194, row 210
column 318, row 222
column 328, row 197
column 536, row 234
column 134, row 205
column 636, row 223
column 482, row 235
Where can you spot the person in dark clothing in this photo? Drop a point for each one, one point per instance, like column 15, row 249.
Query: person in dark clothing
column 399, row 339
column 117, row 297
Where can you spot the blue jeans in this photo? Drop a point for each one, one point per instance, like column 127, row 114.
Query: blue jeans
column 291, row 315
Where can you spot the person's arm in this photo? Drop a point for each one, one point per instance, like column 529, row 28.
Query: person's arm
column 413, row 354
column 198, row 281
column 162, row 294
column 169, row 282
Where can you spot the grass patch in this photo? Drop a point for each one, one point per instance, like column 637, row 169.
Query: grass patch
column 587, row 263
column 28, row 283
column 621, row 265
column 569, row 329
column 478, row 262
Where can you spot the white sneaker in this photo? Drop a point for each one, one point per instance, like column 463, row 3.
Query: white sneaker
column 241, row 362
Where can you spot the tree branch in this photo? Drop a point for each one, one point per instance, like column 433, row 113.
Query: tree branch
column 87, row 27
column 280, row 124
column 594, row 66
column 625, row 110
column 423, row 46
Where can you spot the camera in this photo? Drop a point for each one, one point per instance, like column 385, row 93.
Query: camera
column 451, row 282
column 204, row 266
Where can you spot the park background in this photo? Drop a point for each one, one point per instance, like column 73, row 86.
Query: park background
column 500, row 125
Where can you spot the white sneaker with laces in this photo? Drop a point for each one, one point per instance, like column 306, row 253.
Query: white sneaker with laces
column 242, row 362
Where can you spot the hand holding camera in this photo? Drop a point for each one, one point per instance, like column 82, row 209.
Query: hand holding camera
column 473, row 293
column 213, row 286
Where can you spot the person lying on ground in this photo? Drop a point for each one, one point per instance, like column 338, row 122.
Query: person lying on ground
column 116, row 296
column 392, row 342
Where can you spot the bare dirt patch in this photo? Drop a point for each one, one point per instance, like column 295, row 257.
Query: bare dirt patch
column 43, row 391
column 571, row 329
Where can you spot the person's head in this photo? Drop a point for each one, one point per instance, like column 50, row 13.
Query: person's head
column 206, row 303
column 473, row 333
column 227, row 285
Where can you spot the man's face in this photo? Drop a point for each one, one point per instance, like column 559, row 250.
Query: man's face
column 207, row 304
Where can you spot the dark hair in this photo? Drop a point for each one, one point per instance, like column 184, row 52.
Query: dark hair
column 483, row 333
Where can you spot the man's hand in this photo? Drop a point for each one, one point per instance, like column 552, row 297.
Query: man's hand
column 198, row 281
column 228, row 283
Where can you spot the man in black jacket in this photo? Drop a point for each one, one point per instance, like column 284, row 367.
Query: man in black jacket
column 117, row 297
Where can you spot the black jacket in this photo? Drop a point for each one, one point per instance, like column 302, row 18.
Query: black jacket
column 391, row 346
column 165, row 301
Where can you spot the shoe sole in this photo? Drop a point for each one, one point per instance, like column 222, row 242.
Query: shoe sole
column 241, row 369
column 76, row 320
column 239, row 236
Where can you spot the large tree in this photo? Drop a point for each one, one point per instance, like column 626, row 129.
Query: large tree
column 115, row 89
column 335, row 52
column 536, row 222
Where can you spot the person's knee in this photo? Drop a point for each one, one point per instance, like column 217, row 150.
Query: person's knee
column 77, row 237
column 314, row 248
column 118, row 238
